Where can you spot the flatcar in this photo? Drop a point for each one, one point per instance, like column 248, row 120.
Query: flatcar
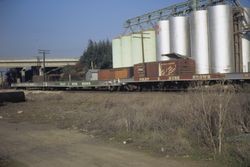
column 177, row 74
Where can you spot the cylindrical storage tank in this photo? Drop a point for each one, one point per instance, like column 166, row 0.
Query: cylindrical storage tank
column 126, row 43
column 220, row 22
column 136, row 48
column 199, row 41
column 163, row 40
column 149, row 42
column 179, row 35
column 117, row 53
column 246, row 42
column 245, row 52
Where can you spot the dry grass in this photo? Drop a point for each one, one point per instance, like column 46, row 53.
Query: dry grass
column 163, row 122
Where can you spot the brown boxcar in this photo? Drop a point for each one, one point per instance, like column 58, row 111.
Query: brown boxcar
column 105, row 75
column 116, row 73
column 152, row 69
column 139, row 71
column 123, row 73
column 177, row 67
column 164, row 69
column 146, row 70
column 186, row 67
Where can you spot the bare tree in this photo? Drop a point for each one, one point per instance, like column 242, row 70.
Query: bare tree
column 210, row 106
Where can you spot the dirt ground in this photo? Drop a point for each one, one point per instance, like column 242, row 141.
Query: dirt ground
column 38, row 143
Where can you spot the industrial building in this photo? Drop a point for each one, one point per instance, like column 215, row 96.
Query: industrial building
column 214, row 33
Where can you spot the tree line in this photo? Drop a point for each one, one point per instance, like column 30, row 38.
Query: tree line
column 97, row 55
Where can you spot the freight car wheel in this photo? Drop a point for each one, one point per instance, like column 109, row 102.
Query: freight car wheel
column 161, row 86
column 118, row 89
column 129, row 88
column 112, row 88
column 138, row 88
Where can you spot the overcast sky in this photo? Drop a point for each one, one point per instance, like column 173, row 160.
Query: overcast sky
column 64, row 26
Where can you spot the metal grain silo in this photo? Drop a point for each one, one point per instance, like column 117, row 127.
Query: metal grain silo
column 246, row 41
column 245, row 52
column 163, row 40
column 199, row 41
column 149, row 40
column 136, row 48
column 220, row 22
column 179, row 35
column 117, row 53
column 126, row 43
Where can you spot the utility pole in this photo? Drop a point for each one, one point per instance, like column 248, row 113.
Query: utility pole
column 142, row 46
column 143, row 52
column 44, row 52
